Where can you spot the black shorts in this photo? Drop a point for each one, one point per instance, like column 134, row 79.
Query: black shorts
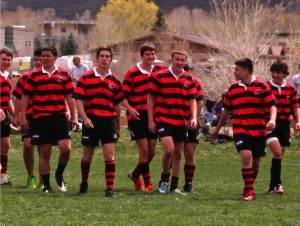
column 281, row 132
column 178, row 133
column 139, row 128
column 27, row 133
column 49, row 129
column 5, row 127
column 105, row 129
column 193, row 136
column 256, row 144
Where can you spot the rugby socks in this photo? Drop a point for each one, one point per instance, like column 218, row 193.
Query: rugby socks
column 189, row 171
column 110, row 171
column 275, row 173
column 4, row 160
column 174, row 183
column 137, row 171
column 248, row 178
column 146, row 173
column 60, row 169
column 164, row 177
column 85, row 171
column 46, row 180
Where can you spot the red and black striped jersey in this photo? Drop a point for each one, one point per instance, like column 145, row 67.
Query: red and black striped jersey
column 199, row 89
column 5, row 85
column 136, row 87
column 172, row 96
column 48, row 92
column 286, row 99
column 248, row 104
column 99, row 94
column 18, row 91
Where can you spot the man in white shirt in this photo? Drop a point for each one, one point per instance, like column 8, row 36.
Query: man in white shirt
column 296, row 83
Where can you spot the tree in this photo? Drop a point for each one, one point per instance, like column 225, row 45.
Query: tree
column 239, row 28
column 68, row 46
column 131, row 18
column 160, row 24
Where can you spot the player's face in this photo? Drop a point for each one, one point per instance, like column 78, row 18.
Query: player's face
column 38, row 61
column 178, row 61
column 48, row 59
column 5, row 62
column 240, row 73
column 104, row 59
column 277, row 77
column 149, row 57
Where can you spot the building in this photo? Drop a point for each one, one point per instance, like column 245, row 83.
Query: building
column 18, row 38
column 55, row 31
column 200, row 48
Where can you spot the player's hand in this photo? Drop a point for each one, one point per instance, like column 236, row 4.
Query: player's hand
column 193, row 124
column 152, row 127
column 271, row 125
column 134, row 114
column 88, row 123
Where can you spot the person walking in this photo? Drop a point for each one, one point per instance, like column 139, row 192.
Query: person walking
column 28, row 148
column 135, row 88
column 50, row 87
column 280, row 138
column 246, row 101
column 190, row 144
column 6, row 105
column 98, row 95
column 171, row 98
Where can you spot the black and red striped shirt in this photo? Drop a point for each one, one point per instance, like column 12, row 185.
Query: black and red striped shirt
column 99, row 94
column 48, row 92
column 18, row 91
column 5, row 91
column 248, row 104
column 172, row 96
column 136, row 87
column 199, row 89
column 286, row 99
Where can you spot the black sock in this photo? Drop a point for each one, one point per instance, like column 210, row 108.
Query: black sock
column 46, row 180
column 60, row 169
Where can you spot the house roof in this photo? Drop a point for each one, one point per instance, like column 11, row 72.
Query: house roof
column 192, row 38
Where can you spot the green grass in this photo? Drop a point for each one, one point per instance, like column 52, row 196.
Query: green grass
column 217, row 200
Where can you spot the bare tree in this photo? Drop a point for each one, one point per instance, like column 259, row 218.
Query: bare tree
column 239, row 28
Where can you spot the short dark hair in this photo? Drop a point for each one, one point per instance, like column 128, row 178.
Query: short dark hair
column 280, row 66
column 147, row 46
column 7, row 52
column 52, row 49
column 245, row 63
column 37, row 52
column 106, row 48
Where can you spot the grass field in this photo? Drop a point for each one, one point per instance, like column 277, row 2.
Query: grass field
column 217, row 200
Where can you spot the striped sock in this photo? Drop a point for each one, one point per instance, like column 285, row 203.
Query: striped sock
column 110, row 171
column 189, row 171
column 85, row 171
column 248, row 178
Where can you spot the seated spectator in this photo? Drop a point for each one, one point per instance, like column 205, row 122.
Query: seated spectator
column 217, row 110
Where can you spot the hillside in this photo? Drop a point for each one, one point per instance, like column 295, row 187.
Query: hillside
column 68, row 9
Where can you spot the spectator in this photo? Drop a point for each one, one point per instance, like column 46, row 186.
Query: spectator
column 217, row 110
column 296, row 83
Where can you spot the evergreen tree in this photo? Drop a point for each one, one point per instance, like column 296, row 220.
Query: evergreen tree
column 160, row 24
column 68, row 46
